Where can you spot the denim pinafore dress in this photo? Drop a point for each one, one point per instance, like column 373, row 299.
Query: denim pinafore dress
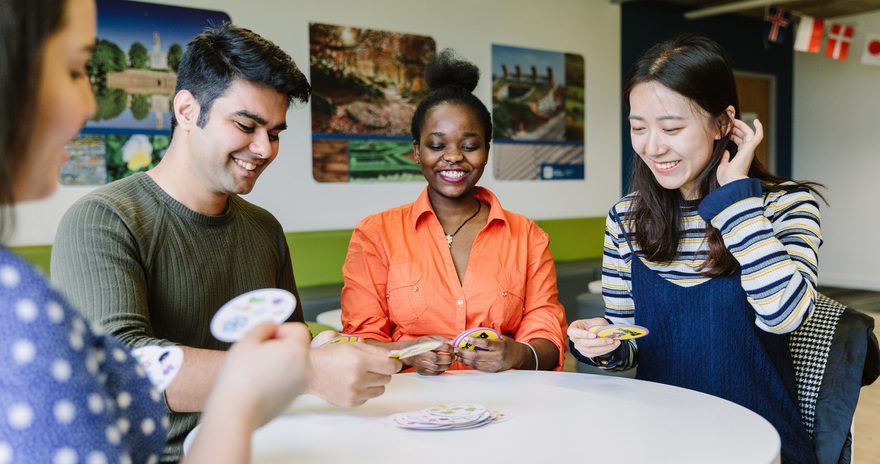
column 704, row 338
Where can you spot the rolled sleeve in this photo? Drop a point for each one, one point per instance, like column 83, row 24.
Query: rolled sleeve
column 544, row 316
column 726, row 195
column 365, row 273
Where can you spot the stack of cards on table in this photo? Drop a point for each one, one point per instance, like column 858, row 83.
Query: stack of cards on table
column 477, row 332
column 619, row 331
column 454, row 416
column 248, row 310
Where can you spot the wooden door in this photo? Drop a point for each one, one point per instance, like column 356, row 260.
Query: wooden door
column 756, row 96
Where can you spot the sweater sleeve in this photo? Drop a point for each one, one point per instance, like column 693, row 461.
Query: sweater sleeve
column 286, row 279
column 776, row 242
column 623, row 357
column 617, row 273
column 365, row 272
column 96, row 262
column 617, row 292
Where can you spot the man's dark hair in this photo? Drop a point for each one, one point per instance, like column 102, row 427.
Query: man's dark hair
column 220, row 55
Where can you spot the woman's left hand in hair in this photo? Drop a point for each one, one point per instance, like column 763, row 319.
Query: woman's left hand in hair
column 746, row 141
column 493, row 355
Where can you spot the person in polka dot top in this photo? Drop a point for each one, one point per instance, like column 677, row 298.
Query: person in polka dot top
column 68, row 393
column 59, row 377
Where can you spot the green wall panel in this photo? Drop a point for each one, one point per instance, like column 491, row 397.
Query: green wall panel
column 318, row 255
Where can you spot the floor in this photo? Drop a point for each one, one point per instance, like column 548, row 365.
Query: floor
column 867, row 420
column 867, row 432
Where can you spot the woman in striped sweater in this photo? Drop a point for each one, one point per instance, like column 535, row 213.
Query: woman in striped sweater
column 710, row 252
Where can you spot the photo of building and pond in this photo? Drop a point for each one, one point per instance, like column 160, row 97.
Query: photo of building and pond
column 133, row 73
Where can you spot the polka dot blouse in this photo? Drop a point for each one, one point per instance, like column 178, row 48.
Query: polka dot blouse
column 68, row 394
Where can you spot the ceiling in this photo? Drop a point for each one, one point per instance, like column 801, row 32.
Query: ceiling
column 816, row 8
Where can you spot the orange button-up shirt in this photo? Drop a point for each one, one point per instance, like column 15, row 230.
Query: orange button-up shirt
column 401, row 284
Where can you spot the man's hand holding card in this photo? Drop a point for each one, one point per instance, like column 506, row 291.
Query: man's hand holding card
column 434, row 360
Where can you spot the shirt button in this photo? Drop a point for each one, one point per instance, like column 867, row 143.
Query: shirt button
column 387, row 296
column 504, row 293
column 460, row 302
column 415, row 288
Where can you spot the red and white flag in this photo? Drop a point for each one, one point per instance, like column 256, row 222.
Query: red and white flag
column 872, row 49
column 809, row 35
column 838, row 41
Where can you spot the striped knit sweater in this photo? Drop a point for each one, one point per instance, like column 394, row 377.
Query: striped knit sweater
column 774, row 237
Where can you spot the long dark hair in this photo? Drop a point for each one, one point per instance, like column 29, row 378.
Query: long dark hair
column 25, row 25
column 451, row 80
column 699, row 69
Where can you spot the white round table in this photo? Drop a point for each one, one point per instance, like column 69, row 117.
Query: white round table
column 332, row 318
column 554, row 417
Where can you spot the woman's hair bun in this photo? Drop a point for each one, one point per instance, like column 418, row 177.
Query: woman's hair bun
column 447, row 69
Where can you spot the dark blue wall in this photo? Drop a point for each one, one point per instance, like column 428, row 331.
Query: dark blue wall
column 646, row 23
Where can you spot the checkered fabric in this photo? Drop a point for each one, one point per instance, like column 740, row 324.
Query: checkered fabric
column 810, row 345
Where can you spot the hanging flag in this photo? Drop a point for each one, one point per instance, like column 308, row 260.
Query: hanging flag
column 776, row 24
column 838, row 41
column 809, row 35
column 872, row 49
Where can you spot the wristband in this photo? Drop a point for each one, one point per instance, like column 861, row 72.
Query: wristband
column 534, row 352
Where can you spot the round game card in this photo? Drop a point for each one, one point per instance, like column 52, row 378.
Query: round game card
column 162, row 363
column 413, row 350
column 345, row 338
column 457, row 410
column 477, row 332
column 250, row 309
column 620, row 331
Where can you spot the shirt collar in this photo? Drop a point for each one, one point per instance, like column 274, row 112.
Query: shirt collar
column 421, row 208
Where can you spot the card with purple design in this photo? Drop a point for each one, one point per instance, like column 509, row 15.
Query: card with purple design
column 477, row 332
column 246, row 311
column 619, row 331
column 162, row 363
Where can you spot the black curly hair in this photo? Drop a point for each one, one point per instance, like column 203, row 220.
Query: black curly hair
column 451, row 80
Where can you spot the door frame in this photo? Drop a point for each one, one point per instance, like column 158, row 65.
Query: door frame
column 769, row 135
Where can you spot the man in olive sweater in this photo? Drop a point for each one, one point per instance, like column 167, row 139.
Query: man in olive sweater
column 152, row 257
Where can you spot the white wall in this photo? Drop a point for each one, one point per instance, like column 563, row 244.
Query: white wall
column 587, row 27
column 837, row 142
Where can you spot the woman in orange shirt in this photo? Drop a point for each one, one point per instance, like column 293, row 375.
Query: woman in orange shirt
column 454, row 259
